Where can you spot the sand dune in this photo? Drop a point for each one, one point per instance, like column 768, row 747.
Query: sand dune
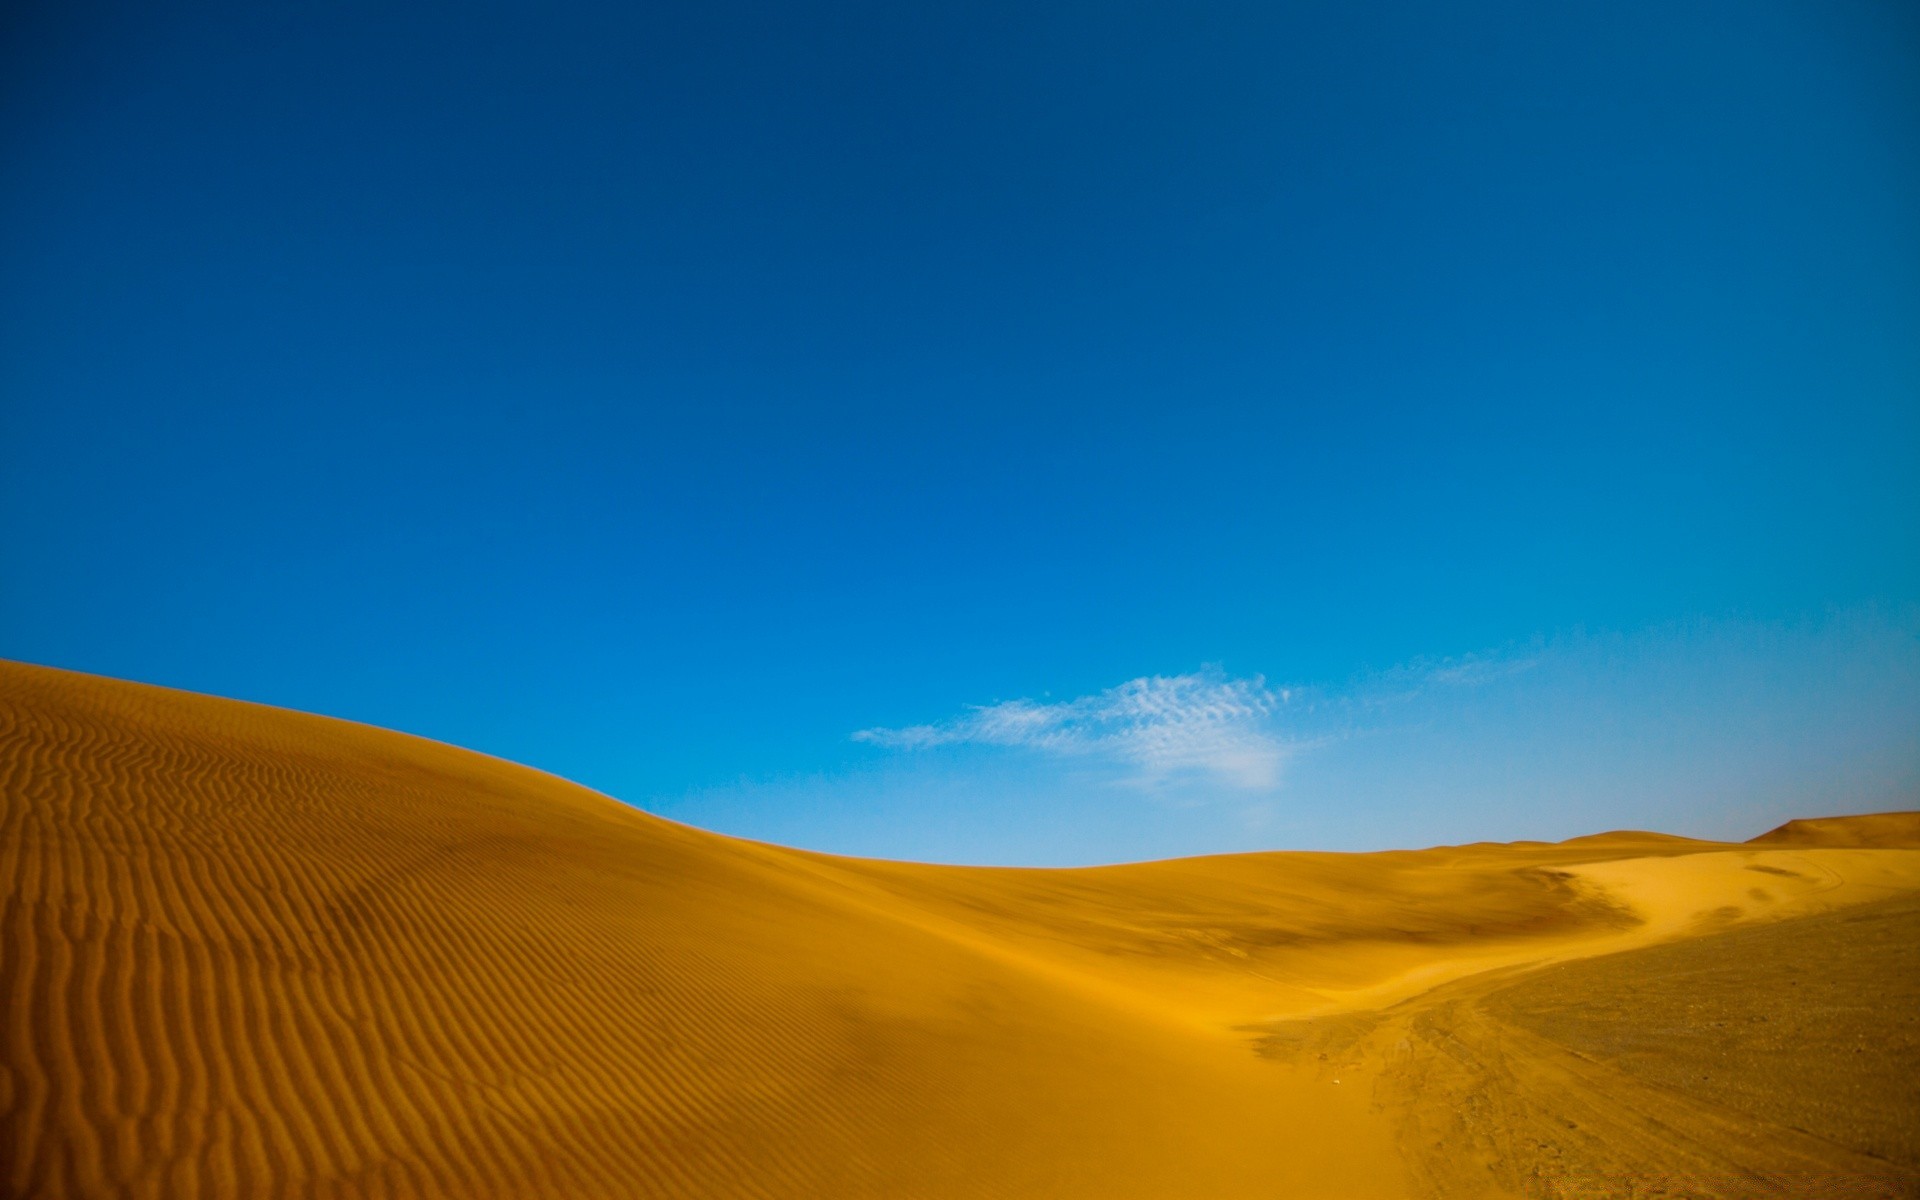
column 251, row 953
column 1894, row 830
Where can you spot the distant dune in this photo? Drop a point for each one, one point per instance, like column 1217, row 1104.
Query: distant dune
column 1894, row 830
column 247, row 952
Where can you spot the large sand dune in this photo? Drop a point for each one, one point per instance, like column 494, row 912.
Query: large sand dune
column 251, row 953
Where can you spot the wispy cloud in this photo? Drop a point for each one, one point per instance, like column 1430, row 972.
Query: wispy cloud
column 1160, row 728
column 1477, row 670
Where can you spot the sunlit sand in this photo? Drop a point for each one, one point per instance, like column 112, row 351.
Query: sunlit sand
column 246, row 952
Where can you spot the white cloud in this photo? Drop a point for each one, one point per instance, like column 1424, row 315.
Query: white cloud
column 1475, row 670
column 1160, row 728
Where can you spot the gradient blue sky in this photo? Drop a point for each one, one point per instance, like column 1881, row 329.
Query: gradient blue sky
column 1460, row 421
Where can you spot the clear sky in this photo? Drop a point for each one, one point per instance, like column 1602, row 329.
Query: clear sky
column 1001, row 432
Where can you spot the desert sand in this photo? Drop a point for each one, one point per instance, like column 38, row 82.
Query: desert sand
column 246, row 952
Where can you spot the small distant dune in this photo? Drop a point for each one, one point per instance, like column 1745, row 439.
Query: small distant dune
column 251, row 953
column 1632, row 837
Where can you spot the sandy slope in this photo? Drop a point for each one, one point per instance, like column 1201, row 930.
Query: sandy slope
column 247, row 952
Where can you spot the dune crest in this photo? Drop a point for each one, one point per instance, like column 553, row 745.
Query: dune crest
column 1885, row 831
column 250, row 952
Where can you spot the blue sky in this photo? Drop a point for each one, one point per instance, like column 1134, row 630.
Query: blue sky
column 696, row 401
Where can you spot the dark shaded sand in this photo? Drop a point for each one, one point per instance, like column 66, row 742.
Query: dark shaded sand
column 1774, row 1060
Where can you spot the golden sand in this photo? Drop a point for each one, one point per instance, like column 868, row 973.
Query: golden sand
column 246, row 952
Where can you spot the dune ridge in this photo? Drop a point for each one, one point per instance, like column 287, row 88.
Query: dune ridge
column 1884, row 831
column 251, row 952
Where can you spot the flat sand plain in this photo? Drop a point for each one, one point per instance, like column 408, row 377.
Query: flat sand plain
column 247, row 952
